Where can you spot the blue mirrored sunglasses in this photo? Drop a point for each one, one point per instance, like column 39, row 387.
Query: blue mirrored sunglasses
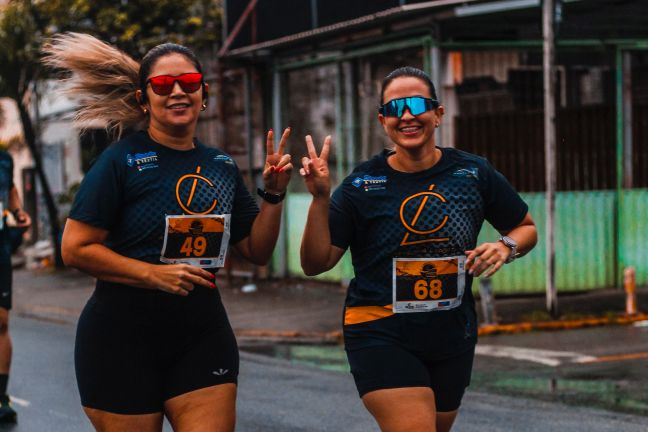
column 417, row 105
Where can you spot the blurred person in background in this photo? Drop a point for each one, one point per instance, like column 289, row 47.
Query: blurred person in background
column 411, row 217
column 152, row 221
column 9, row 203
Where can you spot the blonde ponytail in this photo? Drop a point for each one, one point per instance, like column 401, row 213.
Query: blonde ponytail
column 103, row 79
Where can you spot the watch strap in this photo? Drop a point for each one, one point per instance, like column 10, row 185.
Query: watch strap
column 272, row 198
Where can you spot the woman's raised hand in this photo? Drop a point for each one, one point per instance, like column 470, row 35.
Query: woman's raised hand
column 315, row 168
column 277, row 170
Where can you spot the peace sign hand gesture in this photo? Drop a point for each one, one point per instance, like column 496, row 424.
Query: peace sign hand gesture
column 315, row 169
column 277, row 170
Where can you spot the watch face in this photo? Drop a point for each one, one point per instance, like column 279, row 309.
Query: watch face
column 508, row 241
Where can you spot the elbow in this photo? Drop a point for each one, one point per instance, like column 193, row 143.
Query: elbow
column 310, row 269
column 259, row 258
column 310, row 272
column 260, row 261
column 69, row 257
column 310, row 266
column 533, row 238
column 71, row 253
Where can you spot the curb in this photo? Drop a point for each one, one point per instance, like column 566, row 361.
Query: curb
column 289, row 336
column 491, row 329
column 335, row 337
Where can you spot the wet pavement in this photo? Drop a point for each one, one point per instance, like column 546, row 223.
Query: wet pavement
column 298, row 320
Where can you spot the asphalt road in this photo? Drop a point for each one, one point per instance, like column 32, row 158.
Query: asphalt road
column 274, row 395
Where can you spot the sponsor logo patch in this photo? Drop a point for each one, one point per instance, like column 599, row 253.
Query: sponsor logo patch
column 467, row 172
column 142, row 161
column 224, row 158
column 369, row 183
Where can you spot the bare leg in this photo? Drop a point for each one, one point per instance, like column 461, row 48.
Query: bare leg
column 403, row 409
column 104, row 421
column 5, row 342
column 211, row 409
column 445, row 420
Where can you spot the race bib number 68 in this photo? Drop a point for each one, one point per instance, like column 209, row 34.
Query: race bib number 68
column 428, row 284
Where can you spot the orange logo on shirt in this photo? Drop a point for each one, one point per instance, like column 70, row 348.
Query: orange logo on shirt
column 194, row 178
column 422, row 233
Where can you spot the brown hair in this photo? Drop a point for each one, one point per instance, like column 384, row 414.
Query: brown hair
column 407, row 71
column 104, row 79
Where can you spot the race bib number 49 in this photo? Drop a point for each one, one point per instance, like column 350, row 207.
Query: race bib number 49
column 199, row 240
column 428, row 284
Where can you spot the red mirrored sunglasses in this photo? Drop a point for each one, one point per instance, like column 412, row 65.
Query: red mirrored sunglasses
column 163, row 84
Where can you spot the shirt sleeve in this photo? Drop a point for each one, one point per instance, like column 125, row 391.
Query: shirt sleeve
column 340, row 219
column 244, row 212
column 99, row 198
column 504, row 208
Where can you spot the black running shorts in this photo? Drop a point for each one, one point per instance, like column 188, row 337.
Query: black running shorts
column 392, row 366
column 133, row 355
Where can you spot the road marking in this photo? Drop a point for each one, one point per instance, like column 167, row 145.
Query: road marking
column 616, row 357
column 21, row 402
column 545, row 357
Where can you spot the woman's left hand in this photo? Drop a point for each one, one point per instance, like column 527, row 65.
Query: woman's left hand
column 277, row 170
column 487, row 257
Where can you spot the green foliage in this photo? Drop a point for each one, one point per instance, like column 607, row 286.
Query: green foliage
column 134, row 26
column 19, row 45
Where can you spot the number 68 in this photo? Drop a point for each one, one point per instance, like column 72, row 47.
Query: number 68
column 423, row 289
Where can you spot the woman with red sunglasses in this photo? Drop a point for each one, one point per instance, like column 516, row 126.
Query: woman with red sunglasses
column 152, row 221
column 411, row 217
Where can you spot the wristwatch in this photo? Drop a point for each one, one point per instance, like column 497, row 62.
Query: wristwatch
column 511, row 244
column 272, row 198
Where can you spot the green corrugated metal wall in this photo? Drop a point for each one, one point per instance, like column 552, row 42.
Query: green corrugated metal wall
column 585, row 252
column 584, row 245
column 297, row 209
column 634, row 223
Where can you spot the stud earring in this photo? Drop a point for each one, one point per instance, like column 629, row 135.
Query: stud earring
column 204, row 106
column 145, row 110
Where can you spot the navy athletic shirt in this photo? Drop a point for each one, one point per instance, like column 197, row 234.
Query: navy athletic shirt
column 381, row 214
column 136, row 182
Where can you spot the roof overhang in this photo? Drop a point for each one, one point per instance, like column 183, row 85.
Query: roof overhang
column 359, row 23
column 464, row 22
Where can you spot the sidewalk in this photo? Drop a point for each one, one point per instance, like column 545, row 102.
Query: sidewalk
column 299, row 310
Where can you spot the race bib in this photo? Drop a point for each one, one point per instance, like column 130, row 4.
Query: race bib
column 428, row 284
column 199, row 240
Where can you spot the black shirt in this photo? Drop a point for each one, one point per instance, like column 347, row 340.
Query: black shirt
column 382, row 214
column 136, row 182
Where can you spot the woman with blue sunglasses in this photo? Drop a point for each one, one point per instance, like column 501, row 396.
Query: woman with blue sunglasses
column 411, row 216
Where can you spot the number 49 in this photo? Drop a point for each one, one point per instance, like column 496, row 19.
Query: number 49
column 422, row 289
column 194, row 246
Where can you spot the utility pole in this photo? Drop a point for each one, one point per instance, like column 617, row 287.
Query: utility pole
column 549, row 48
